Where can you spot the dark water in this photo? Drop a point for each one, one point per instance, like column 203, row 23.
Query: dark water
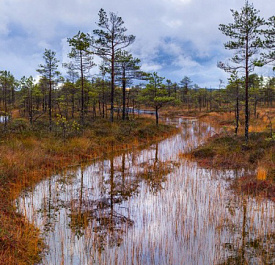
column 151, row 207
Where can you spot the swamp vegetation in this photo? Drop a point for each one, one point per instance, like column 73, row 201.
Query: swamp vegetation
column 28, row 156
column 227, row 150
column 151, row 206
column 87, row 176
column 111, row 209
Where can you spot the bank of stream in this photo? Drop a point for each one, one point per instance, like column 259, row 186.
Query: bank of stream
column 151, row 206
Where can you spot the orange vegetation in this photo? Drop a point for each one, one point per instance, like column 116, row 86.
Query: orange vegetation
column 25, row 159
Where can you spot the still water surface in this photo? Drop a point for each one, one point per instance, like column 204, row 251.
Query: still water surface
column 151, row 207
column 3, row 119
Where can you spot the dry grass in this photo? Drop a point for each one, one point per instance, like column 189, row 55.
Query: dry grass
column 260, row 123
column 225, row 150
column 27, row 158
column 176, row 211
column 171, row 112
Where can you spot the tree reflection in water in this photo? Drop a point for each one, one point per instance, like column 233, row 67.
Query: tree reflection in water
column 151, row 206
column 108, row 224
column 252, row 250
column 155, row 172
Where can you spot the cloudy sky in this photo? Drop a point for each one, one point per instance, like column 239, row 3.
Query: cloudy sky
column 175, row 38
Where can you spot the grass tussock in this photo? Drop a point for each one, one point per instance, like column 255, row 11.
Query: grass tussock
column 226, row 150
column 172, row 112
column 229, row 151
column 29, row 156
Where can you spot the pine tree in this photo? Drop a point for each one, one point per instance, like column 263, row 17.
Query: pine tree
column 82, row 56
column 155, row 94
column 126, row 68
column 50, row 73
column 245, row 42
column 269, row 42
column 108, row 41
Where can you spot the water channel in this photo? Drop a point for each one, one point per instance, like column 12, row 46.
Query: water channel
column 151, row 206
column 3, row 119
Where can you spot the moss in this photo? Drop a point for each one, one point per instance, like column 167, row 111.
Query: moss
column 204, row 152
column 256, row 155
column 231, row 152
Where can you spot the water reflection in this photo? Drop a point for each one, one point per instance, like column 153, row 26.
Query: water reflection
column 150, row 207
column 254, row 246
column 99, row 213
column 154, row 172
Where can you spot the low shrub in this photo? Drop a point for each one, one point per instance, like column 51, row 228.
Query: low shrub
column 204, row 152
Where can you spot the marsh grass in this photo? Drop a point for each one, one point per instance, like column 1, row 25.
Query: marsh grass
column 226, row 150
column 28, row 156
column 151, row 207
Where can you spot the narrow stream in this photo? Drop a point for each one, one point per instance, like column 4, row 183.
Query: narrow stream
column 3, row 118
column 151, row 207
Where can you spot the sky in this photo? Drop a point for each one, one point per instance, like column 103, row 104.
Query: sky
column 175, row 38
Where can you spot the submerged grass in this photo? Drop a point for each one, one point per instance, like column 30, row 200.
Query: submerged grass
column 28, row 157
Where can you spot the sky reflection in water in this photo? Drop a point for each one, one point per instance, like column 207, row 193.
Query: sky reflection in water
column 151, row 207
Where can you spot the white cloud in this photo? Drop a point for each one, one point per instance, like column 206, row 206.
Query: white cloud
column 187, row 62
column 172, row 23
column 150, row 67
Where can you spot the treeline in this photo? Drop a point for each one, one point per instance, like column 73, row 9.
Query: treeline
column 76, row 99
column 32, row 99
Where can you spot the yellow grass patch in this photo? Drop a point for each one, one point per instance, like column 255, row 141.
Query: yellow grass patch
column 261, row 173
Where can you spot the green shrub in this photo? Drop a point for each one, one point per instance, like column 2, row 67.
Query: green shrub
column 18, row 125
column 257, row 155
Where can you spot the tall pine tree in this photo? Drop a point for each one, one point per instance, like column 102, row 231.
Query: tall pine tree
column 127, row 68
column 108, row 41
column 82, row 56
column 50, row 73
column 245, row 41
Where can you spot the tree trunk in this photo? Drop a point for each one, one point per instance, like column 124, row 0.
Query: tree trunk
column 50, row 105
column 123, row 94
column 73, row 105
column 246, row 92
column 99, row 108
column 112, row 83
column 94, row 109
column 237, row 111
column 5, row 102
column 30, row 108
column 82, row 90
column 157, row 116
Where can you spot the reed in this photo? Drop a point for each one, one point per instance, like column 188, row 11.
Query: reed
column 227, row 151
column 26, row 158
